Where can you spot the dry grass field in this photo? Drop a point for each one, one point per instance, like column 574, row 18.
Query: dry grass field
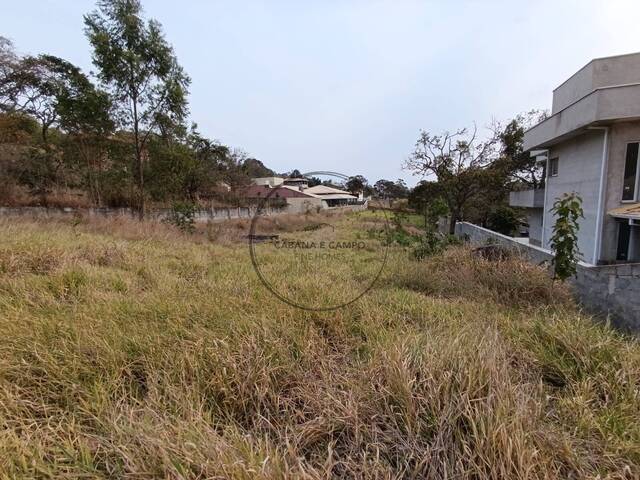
column 135, row 351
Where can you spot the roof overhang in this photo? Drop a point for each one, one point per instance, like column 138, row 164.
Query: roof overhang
column 601, row 107
column 338, row 196
column 631, row 211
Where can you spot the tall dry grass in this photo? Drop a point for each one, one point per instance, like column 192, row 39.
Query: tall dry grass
column 141, row 353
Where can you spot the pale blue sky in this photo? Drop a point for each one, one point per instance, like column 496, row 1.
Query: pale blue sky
column 346, row 85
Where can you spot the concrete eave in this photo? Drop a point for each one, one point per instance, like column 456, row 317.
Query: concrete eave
column 601, row 107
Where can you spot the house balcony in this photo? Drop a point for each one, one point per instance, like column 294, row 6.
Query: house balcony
column 600, row 107
column 533, row 198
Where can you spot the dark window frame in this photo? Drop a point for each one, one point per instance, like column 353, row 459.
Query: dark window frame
column 636, row 178
column 554, row 162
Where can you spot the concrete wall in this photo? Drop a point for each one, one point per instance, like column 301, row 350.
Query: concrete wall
column 205, row 215
column 601, row 72
column 579, row 169
column 483, row 236
column 532, row 198
column 600, row 107
column 579, row 166
column 619, row 135
column 304, row 204
column 211, row 214
column 613, row 290
column 572, row 89
column 534, row 217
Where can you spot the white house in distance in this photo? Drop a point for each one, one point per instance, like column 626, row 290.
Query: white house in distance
column 299, row 196
column 300, row 183
column 333, row 196
column 590, row 145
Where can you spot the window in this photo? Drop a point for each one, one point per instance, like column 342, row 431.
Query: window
column 553, row 167
column 630, row 173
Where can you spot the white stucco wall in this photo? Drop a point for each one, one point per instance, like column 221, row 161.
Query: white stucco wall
column 579, row 167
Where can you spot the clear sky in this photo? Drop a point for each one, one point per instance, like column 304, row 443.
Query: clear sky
column 346, row 85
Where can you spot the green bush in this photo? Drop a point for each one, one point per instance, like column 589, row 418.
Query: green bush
column 503, row 219
column 564, row 241
column 433, row 243
column 183, row 216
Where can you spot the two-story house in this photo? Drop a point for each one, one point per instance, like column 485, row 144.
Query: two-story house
column 590, row 145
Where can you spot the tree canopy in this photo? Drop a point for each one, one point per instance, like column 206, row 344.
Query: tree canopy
column 119, row 137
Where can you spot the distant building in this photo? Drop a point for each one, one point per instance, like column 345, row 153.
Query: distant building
column 590, row 144
column 333, row 196
column 296, row 200
column 268, row 181
column 295, row 189
column 299, row 183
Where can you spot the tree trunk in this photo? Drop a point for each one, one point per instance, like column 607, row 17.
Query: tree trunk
column 141, row 205
column 92, row 180
column 453, row 219
column 139, row 165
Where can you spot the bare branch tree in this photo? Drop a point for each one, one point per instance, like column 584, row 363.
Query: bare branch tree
column 458, row 161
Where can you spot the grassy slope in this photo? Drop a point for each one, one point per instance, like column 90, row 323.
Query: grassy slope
column 130, row 350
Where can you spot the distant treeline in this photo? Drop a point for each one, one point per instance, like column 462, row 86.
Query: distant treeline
column 122, row 137
column 119, row 138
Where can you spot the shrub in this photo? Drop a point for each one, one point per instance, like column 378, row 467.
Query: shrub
column 433, row 243
column 503, row 220
column 564, row 241
column 183, row 216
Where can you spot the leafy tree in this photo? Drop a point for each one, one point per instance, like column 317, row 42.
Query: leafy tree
column 564, row 240
column 31, row 87
column 423, row 194
column 400, row 189
column 17, row 128
column 92, row 138
column 56, row 93
column 84, row 112
column 519, row 165
column 40, row 170
column 356, row 184
column 314, row 181
column 459, row 163
column 503, row 219
column 426, row 197
column 8, row 63
column 254, row 168
column 213, row 165
column 388, row 189
column 382, row 188
column 137, row 65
